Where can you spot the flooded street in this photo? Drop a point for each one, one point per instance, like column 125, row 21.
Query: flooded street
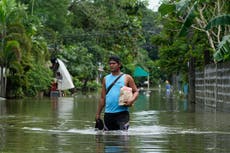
column 158, row 124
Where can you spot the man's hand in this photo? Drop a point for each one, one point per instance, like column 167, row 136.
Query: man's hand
column 97, row 117
column 128, row 103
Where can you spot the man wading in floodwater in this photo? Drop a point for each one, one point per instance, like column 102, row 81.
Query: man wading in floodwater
column 116, row 117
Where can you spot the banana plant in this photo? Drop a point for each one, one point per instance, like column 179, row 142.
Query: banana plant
column 223, row 48
column 195, row 14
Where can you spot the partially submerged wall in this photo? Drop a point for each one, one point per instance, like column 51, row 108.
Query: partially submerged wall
column 213, row 86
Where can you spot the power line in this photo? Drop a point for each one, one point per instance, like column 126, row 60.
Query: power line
column 110, row 33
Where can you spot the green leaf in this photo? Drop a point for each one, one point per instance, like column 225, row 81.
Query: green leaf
column 188, row 20
column 182, row 5
column 219, row 20
column 223, row 49
column 166, row 9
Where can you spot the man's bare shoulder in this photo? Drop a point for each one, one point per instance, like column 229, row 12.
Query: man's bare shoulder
column 128, row 76
column 128, row 79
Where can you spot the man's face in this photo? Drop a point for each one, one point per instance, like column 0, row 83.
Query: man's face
column 114, row 66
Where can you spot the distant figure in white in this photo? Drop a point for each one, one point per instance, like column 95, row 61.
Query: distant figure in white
column 63, row 77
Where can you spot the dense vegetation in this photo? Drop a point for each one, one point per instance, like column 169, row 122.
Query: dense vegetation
column 83, row 33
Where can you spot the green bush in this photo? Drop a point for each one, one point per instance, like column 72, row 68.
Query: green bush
column 40, row 78
column 77, row 83
column 92, row 85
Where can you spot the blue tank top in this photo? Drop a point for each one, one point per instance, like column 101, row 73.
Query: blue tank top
column 112, row 97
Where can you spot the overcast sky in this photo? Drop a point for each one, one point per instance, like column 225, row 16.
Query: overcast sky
column 154, row 4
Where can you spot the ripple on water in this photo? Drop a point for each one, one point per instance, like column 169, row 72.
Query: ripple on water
column 147, row 126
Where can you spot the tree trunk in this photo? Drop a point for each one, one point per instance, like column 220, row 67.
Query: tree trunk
column 192, row 80
column 84, row 88
column 207, row 57
column 2, row 83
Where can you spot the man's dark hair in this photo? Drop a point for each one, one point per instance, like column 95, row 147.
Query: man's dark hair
column 115, row 58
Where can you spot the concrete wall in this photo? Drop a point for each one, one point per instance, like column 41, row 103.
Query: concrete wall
column 213, row 86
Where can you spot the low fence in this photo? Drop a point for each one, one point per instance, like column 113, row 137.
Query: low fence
column 213, row 86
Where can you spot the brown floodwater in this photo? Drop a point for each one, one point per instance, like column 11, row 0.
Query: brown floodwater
column 159, row 124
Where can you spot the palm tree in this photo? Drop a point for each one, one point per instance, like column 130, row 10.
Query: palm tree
column 9, row 48
column 10, row 55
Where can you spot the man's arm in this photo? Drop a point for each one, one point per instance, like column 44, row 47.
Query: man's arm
column 130, row 83
column 101, row 103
